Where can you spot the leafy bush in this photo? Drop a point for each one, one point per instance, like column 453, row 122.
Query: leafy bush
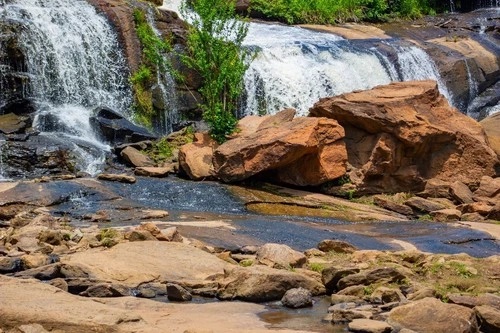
column 215, row 52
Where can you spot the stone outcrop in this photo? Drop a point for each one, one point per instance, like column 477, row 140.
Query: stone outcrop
column 195, row 159
column 491, row 126
column 402, row 134
column 430, row 315
column 280, row 256
column 302, row 151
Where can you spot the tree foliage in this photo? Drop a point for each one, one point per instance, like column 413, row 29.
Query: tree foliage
column 215, row 51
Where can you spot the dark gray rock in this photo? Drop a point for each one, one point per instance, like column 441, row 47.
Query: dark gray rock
column 177, row 293
column 297, row 298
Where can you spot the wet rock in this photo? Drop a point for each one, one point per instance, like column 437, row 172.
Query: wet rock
column 135, row 158
column 12, row 124
column 395, row 146
column 332, row 275
column 106, row 290
column 384, row 295
column 114, row 128
column 369, row 326
column 304, row 151
column 461, row 193
column 177, row 293
column 297, row 298
column 195, row 159
column 386, row 275
column 488, row 318
column 122, row 178
column 393, row 206
column 430, row 315
column 337, row 246
column 280, row 256
column 157, row 172
column 262, row 284
column 422, row 205
column 446, row 215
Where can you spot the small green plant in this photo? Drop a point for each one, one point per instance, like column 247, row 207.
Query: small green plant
column 317, row 267
column 436, row 268
column 246, row 263
column 368, row 290
column 425, row 217
column 461, row 269
column 107, row 233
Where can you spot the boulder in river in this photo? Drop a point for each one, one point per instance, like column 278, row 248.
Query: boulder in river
column 116, row 129
column 301, row 151
column 400, row 135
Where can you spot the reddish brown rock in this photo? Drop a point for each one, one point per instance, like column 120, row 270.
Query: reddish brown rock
column 402, row 134
column 135, row 158
column 476, row 207
column 303, row 151
column 461, row 193
column 446, row 215
column 195, row 159
column 491, row 126
column 488, row 191
column 422, row 205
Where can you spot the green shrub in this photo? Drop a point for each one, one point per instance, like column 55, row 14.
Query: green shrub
column 215, row 52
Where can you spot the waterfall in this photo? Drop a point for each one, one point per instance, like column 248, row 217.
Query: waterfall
column 295, row 67
column 74, row 64
column 2, row 173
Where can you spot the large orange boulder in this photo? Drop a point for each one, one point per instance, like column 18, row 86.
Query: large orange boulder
column 298, row 151
column 195, row 158
column 402, row 134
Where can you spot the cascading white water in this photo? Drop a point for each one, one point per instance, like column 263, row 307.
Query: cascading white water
column 295, row 67
column 74, row 63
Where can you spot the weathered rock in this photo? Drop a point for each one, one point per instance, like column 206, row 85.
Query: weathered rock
column 158, row 172
column 422, row 205
column 401, row 134
column 436, row 188
column 446, row 215
column 261, row 284
column 369, row 326
column 481, row 208
column 11, row 123
column 172, row 234
column 135, row 158
column 47, row 272
column 280, row 256
column 430, row 315
column 106, row 290
column 59, row 283
column 332, row 275
column 341, row 316
column 139, row 236
column 387, row 275
column 422, row 293
column 488, row 191
column 494, row 214
column 337, row 246
column 195, row 159
column 338, row 299
column 122, row 178
column 472, row 217
column 34, row 260
column 461, row 193
column 491, row 126
column 384, row 295
column 393, row 206
column 356, row 290
column 489, row 318
column 9, row 265
column 303, row 151
column 177, row 293
column 297, row 298
column 115, row 129
column 134, row 263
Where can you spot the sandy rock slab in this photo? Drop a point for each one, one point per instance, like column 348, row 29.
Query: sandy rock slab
column 137, row 262
column 44, row 306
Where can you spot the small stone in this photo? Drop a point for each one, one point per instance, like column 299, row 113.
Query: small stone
column 383, row 295
column 422, row 293
column 369, row 326
column 154, row 214
column 313, row 253
column 9, row 265
column 280, row 256
column 76, row 236
column 158, row 172
column 122, row 178
column 106, row 290
column 339, row 299
column 135, row 158
column 145, row 292
column 172, row 234
column 249, row 249
column 348, row 315
column 297, row 298
column 59, row 283
column 446, row 215
column 177, row 293
column 331, row 245
column 139, row 236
